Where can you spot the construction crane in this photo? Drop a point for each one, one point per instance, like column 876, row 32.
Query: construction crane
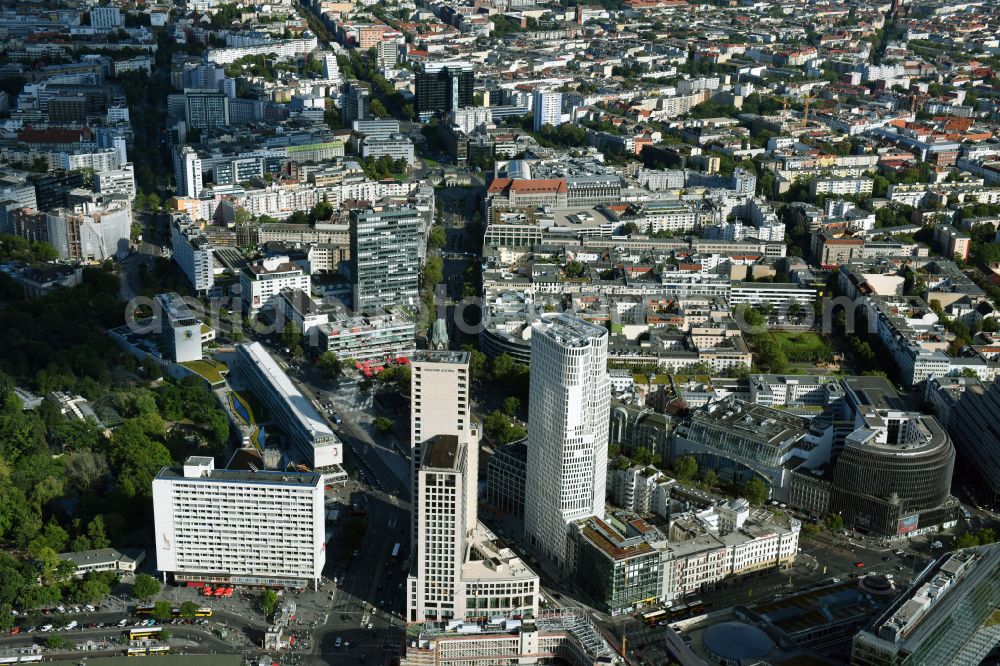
column 805, row 116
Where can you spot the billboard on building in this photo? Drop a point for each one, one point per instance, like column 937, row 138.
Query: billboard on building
column 907, row 525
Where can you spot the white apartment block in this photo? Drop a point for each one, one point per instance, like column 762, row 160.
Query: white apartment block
column 395, row 146
column 188, row 173
column 861, row 186
column 262, row 281
column 548, row 109
column 193, row 253
column 116, row 181
column 242, row 527
column 99, row 160
column 568, row 424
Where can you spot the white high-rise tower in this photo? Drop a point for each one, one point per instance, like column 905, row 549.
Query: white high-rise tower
column 568, row 412
column 459, row 569
column 548, row 109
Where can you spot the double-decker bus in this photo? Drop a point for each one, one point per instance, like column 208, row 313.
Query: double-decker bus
column 678, row 611
column 143, row 633
column 147, row 609
column 146, row 651
column 651, row 618
column 696, row 607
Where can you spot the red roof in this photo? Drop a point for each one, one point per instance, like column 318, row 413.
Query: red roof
column 539, row 185
column 54, row 135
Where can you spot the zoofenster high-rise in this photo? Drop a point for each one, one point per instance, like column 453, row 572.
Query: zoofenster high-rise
column 568, row 412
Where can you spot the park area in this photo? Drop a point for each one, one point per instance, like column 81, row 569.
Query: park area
column 804, row 347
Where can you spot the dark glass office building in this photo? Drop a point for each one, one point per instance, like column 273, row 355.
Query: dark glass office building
column 898, row 481
column 443, row 86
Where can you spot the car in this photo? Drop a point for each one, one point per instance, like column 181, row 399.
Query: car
column 47, row 627
column 61, row 609
column 900, row 568
column 15, row 631
column 338, row 642
column 369, row 625
column 859, row 564
column 834, row 580
column 71, row 625
column 122, row 622
column 89, row 608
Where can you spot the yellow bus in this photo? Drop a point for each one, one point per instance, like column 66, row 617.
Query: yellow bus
column 145, row 651
column 651, row 618
column 140, row 633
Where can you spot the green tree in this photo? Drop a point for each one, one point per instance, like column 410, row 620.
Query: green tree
column 92, row 589
column 383, row 425
column 710, row 478
column 268, row 601
column 6, row 617
column 498, row 429
column 437, row 238
column 755, row 491
column 643, row 456
column 433, row 271
column 966, row 540
column 574, row 269
column 55, row 642
column 329, row 365
column 510, row 406
column 685, row 468
column 291, row 335
column 162, row 610
column 188, row 609
column 834, row 522
column 323, row 210
column 145, row 586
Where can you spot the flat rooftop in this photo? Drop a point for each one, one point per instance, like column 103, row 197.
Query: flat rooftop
column 244, row 476
column 429, row 356
column 299, row 406
column 569, row 331
column 441, row 452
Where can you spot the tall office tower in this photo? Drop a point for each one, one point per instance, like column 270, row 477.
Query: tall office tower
column 357, row 102
column 443, row 86
column 235, row 526
column 548, row 109
column 569, row 407
column 206, row 109
column 459, row 569
column 187, row 172
column 385, row 243
column 442, row 478
column 439, row 386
